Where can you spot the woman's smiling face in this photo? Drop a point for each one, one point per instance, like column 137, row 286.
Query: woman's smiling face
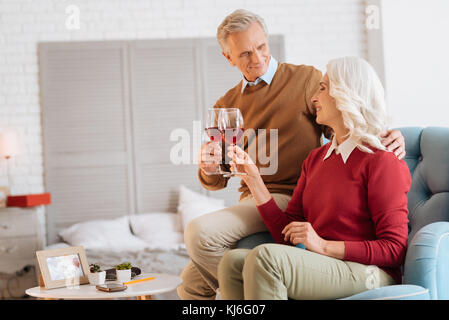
column 326, row 107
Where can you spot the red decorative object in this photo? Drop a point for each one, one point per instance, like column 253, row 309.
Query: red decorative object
column 28, row 200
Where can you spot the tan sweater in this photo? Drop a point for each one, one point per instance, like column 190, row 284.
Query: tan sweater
column 285, row 105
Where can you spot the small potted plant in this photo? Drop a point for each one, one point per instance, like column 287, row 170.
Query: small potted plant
column 123, row 271
column 96, row 275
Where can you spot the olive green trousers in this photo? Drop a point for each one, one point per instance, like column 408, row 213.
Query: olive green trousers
column 275, row 271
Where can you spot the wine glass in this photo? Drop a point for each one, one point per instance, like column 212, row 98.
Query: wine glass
column 213, row 131
column 232, row 128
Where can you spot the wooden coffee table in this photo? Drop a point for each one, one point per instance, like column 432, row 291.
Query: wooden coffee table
column 142, row 290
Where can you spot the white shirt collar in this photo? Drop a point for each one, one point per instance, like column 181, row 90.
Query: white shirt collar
column 345, row 148
column 267, row 77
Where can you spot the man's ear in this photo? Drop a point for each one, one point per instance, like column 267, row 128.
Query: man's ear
column 228, row 57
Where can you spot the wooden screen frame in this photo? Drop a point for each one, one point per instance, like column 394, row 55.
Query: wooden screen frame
column 4, row 191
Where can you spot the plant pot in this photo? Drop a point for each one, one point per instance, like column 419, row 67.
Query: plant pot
column 123, row 275
column 96, row 278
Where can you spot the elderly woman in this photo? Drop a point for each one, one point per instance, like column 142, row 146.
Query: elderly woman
column 349, row 208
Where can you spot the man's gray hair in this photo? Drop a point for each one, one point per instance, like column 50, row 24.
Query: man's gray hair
column 239, row 20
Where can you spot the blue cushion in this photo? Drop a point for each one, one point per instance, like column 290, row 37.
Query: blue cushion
column 254, row 240
column 428, row 198
column 412, row 137
column 396, row 292
column 427, row 260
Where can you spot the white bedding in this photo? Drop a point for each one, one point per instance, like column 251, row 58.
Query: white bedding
column 153, row 242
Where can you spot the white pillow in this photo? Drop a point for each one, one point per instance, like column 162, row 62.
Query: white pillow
column 114, row 235
column 150, row 226
column 165, row 241
column 192, row 205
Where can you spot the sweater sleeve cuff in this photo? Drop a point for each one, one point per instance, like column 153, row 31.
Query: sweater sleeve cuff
column 269, row 205
column 213, row 181
column 354, row 251
column 269, row 211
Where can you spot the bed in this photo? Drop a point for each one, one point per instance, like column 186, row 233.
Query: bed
column 153, row 241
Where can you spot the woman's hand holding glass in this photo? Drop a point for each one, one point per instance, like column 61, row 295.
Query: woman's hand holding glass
column 242, row 162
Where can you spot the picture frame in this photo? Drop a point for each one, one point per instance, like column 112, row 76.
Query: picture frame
column 63, row 267
column 4, row 193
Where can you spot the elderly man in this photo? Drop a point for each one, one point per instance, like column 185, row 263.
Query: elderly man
column 271, row 95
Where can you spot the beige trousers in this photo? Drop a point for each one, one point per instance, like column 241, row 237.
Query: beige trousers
column 278, row 272
column 210, row 236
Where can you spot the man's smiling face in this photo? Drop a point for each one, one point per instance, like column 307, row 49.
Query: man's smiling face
column 249, row 51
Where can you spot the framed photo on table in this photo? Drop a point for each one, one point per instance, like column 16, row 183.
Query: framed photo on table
column 64, row 267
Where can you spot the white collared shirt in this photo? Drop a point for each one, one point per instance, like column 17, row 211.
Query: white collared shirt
column 345, row 148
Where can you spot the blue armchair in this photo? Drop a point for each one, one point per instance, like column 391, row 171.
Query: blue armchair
column 426, row 267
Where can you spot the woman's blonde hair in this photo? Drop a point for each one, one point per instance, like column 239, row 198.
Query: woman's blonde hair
column 360, row 97
column 237, row 21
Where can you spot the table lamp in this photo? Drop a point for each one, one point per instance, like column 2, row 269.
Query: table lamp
column 9, row 145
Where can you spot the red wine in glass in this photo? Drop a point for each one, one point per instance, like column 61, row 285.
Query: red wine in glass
column 233, row 135
column 214, row 134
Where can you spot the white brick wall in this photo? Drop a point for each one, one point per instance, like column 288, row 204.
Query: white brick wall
column 315, row 31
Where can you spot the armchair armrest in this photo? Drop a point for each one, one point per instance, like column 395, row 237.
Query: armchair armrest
column 427, row 260
column 395, row 292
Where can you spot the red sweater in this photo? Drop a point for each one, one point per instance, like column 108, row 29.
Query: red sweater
column 362, row 202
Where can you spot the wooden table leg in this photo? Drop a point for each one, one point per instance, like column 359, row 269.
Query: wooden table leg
column 149, row 297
